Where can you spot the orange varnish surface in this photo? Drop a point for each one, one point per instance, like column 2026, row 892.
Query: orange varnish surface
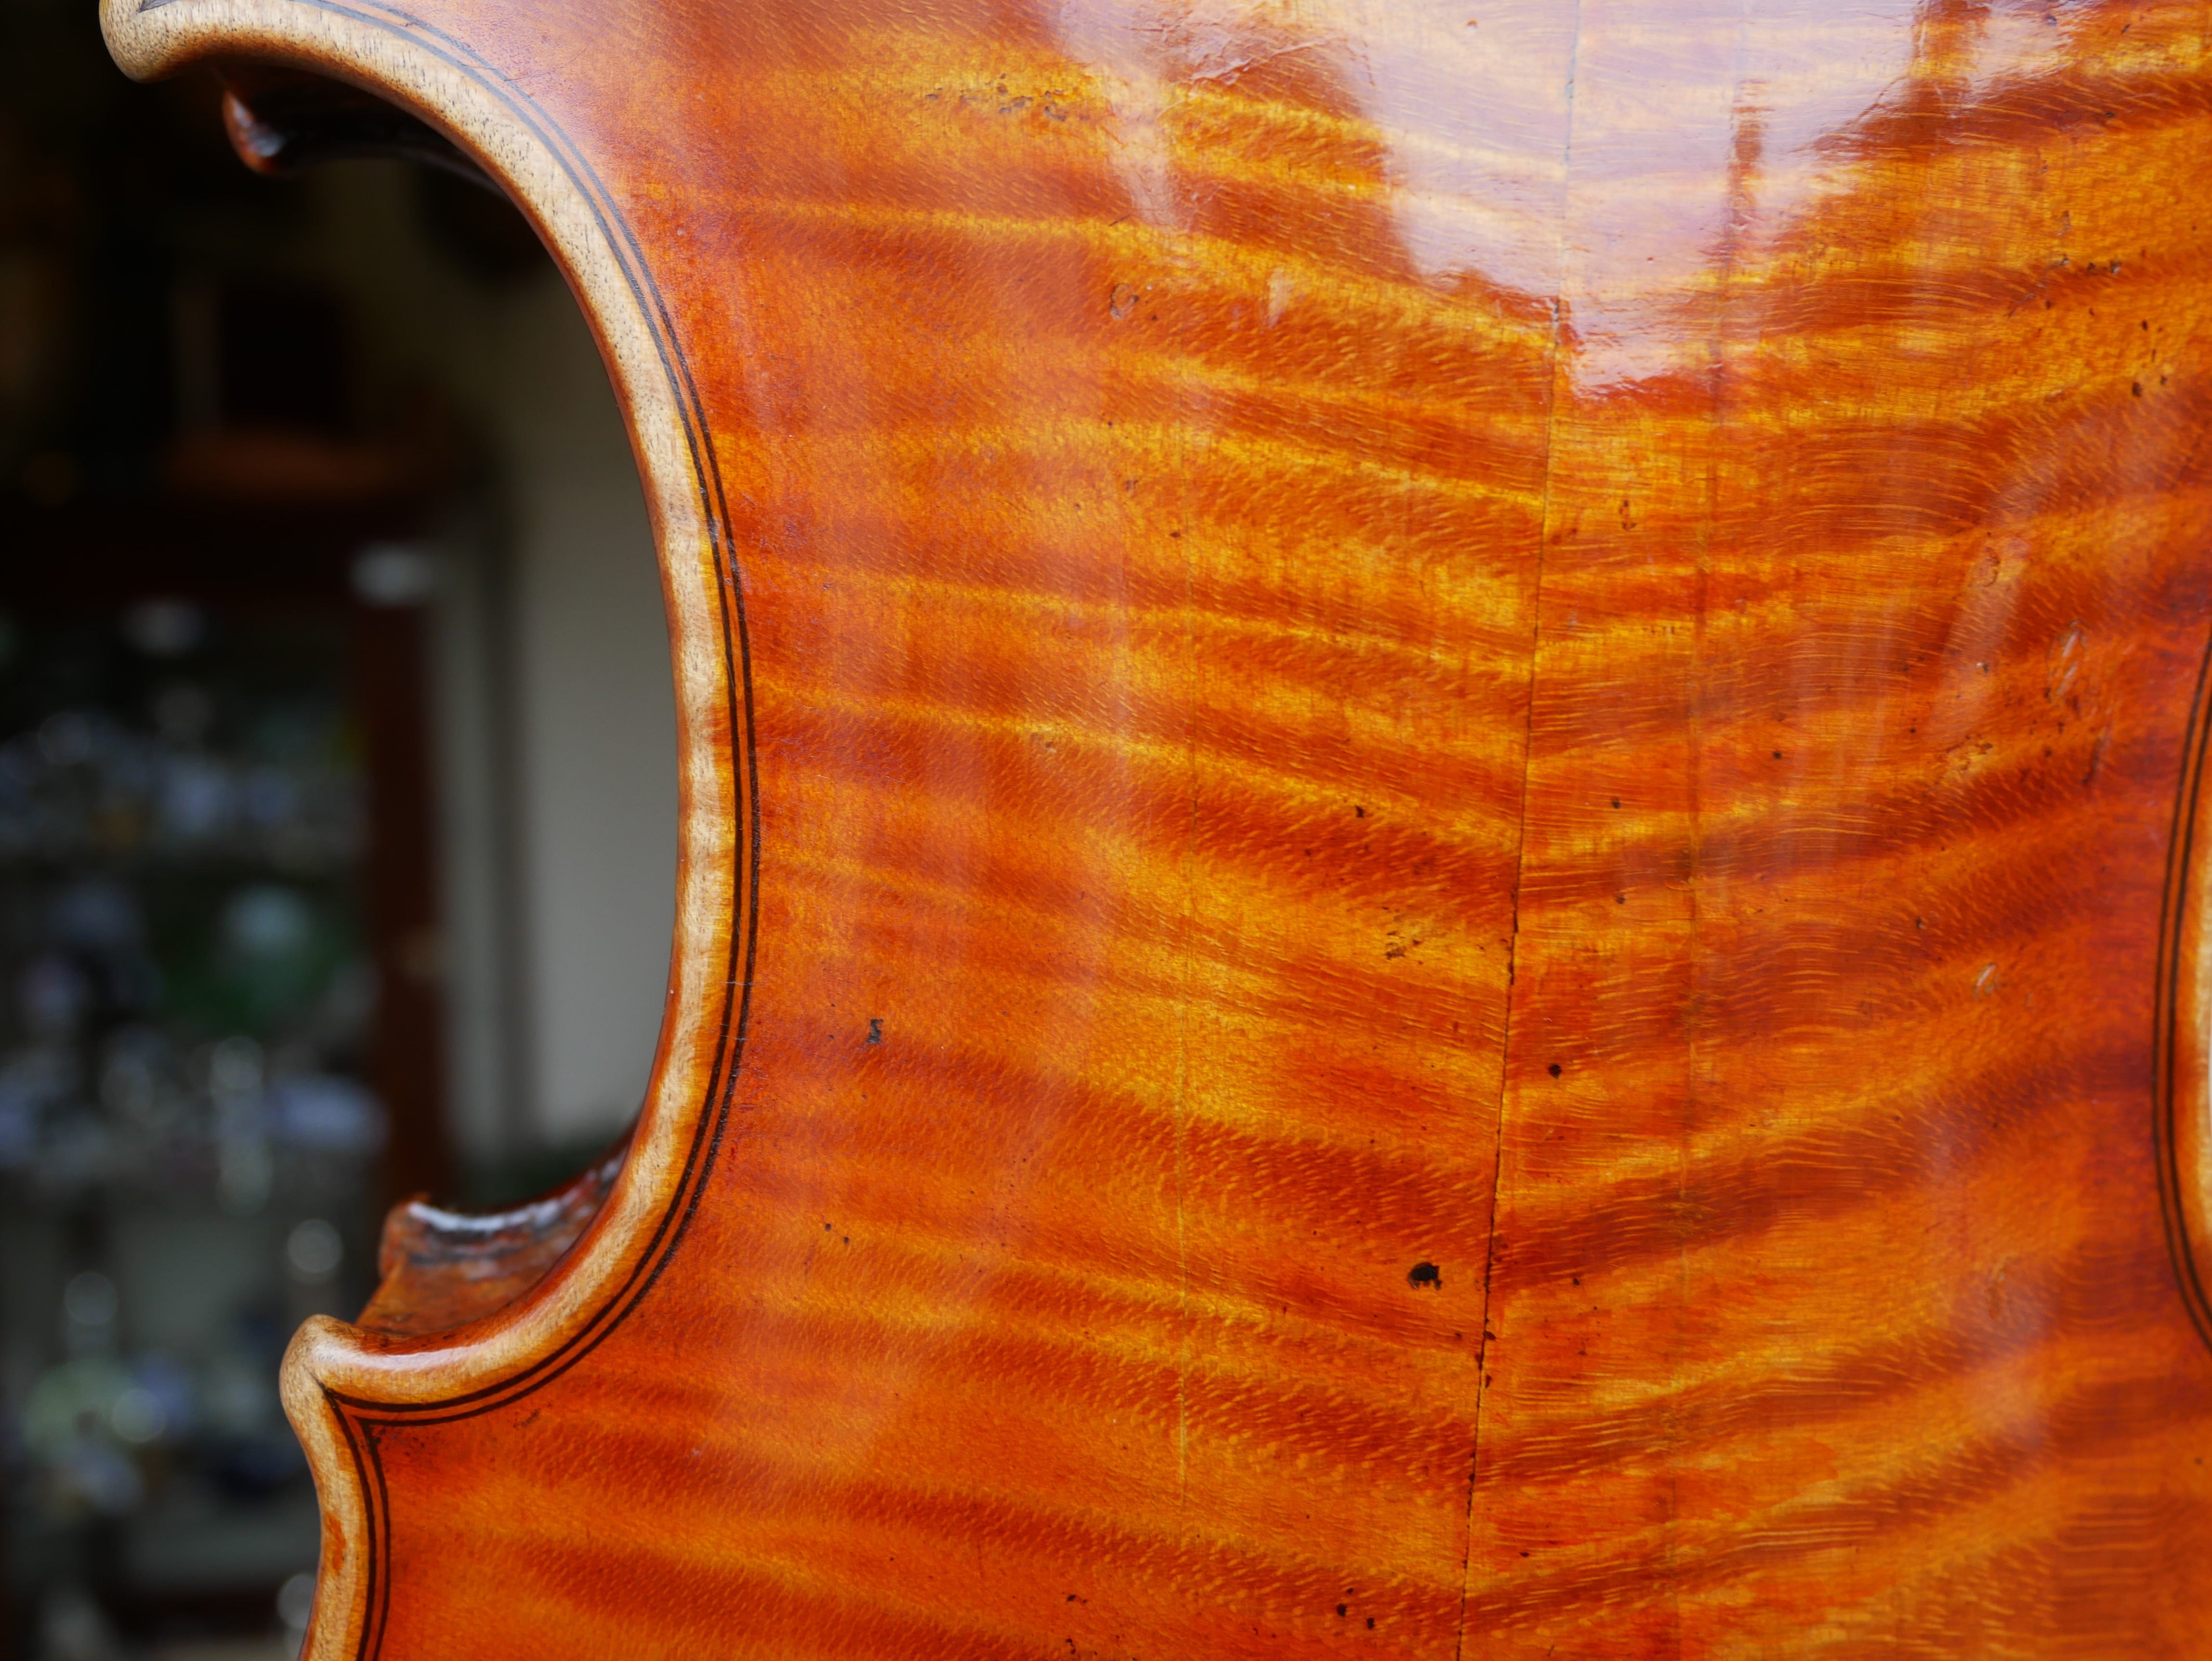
column 1465, row 726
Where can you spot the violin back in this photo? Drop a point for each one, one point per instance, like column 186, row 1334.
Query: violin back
column 1439, row 773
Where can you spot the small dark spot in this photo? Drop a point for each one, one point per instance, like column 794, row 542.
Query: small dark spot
column 1616, row 801
column 1778, row 755
column 1576, row 1279
column 1426, row 1277
column 1620, row 899
column 1359, row 812
column 1371, row 1623
column 1554, row 1069
column 1920, row 922
column 876, row 1030
column 2136, row 387
column 826, row 1227
column 1342, row 1609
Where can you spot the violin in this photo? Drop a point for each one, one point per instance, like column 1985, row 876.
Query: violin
column 1444, row 851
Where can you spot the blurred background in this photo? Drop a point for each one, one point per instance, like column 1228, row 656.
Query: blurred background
column 337, row 805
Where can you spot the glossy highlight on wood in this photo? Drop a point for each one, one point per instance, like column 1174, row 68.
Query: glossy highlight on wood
column 438, row 1269
column 1436, row 896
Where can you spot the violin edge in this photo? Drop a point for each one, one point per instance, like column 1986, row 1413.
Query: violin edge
column 338, row 1377
column 2183, row 1125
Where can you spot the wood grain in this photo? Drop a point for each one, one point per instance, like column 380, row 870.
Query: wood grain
column 439, row 1268
column 1432, row 759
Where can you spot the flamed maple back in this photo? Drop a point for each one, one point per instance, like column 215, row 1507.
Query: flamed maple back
column 1440, row 768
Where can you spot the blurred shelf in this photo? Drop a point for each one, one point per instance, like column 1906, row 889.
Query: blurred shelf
column 194, row 1543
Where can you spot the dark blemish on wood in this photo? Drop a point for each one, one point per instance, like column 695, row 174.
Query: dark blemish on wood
column 1424, row 1277
column 1778, row 755
column 1620, row 899
column 1554, row 1069
column 1616, row 801
column 1359, row 812
column 1341, row 1609
column 2136, row 387
column 876, row 1029
column 1371, row 1623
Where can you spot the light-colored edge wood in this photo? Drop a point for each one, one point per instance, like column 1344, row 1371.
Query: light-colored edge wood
column 329, row 1356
